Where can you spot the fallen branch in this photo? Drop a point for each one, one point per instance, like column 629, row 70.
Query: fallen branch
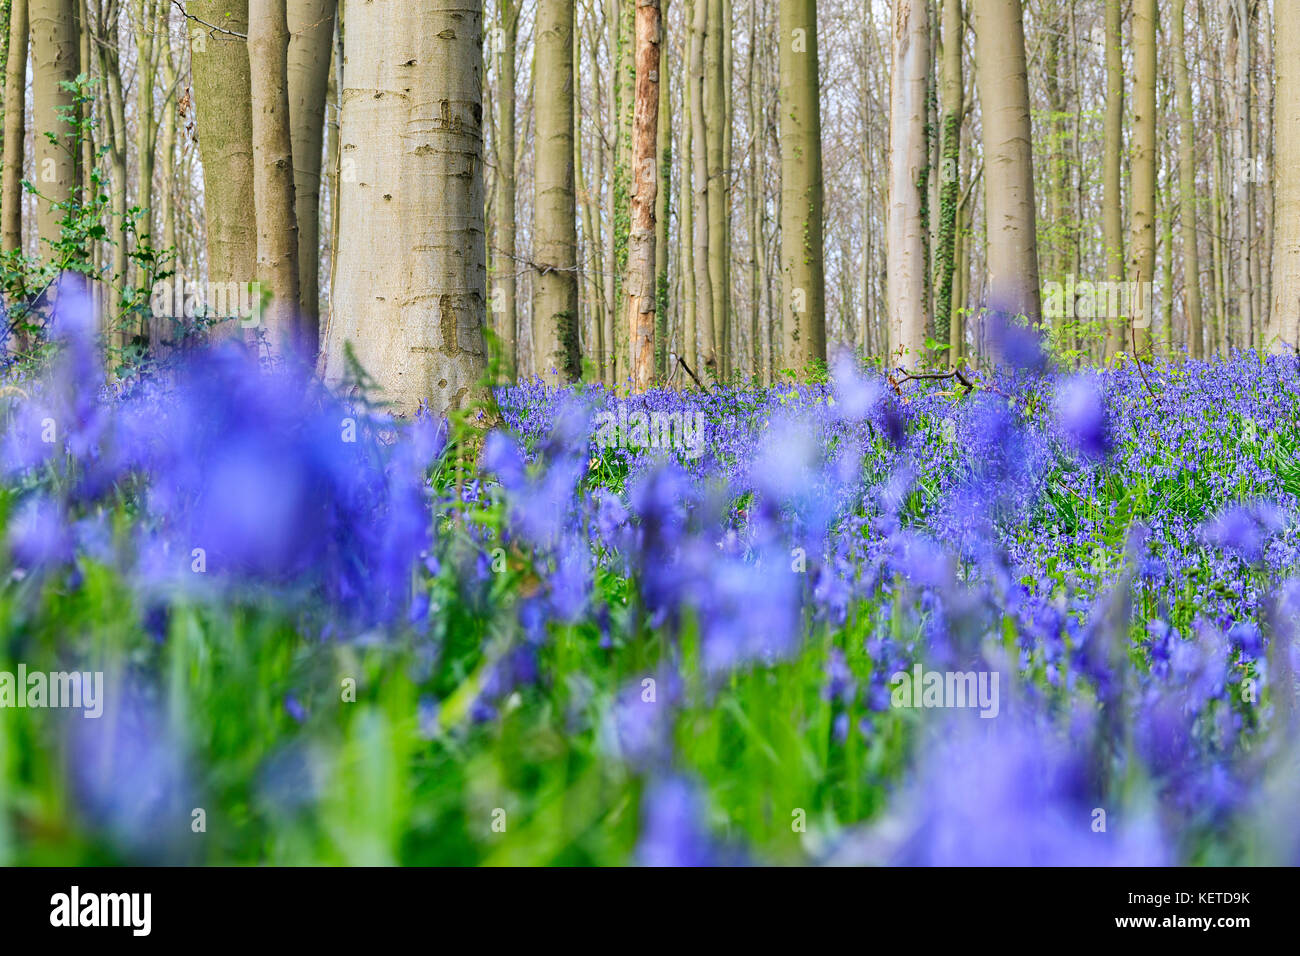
column 682, row 362
column 930, row 376
column 1137, row 358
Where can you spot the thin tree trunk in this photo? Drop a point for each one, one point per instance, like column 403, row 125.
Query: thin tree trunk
column 704, row 299
column 908, row 166
column 949, row 169
column 273, row 173
column 224, row 116
column 753, row 206
column 506, row 206
column 160, row 328
column 590, row 221
column 311, row 35
column 715, row 98
column 115, row 122
column 15, row 128
column 1284, row 327
column 663, row 201
column 639, row 285
column 734, row 332
column 555, row 237
column 1112, row 217
column 1187, row 185
column 55, row 55
column 1142, row 256
column 505, row 287
column 802, row 261
column 145, row 22
column 1008, row 159
column 686, row 200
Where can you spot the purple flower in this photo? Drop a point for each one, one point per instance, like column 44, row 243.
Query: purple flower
column 674, row 831
column 1081, row 413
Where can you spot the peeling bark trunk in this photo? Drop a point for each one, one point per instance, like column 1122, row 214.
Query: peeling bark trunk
column 639, row 286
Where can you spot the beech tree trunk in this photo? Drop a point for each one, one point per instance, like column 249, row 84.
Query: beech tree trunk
column 802, row 264
column 555, row 234
column 1008, row 159
column 55, row 55
column 1284, row 317
column 908, row 162
column 410, row 284
column 1142, row 257
column 224, row 116
column 273, row 186
column 1112, row 218
column 311, row 36
column 11, row 199
column 1187, row 185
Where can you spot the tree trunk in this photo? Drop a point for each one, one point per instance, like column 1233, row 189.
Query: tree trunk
column 224, row 116
column 686, row 199
column 1142, row 256
column 15, row 128
column 1008, row 159
column 410, row 283
column 663, row 201
column 908, row 164
column 160, row 328
column 273, row 186
column 146, row 24
column 714, row 107
column 311, row 35
column 505, row 288
column 1112, row 218
column 753, row 202
column 802, row 262
column 704, row 300
column 949, row 170
column 1187, row 185
column 639, row 285
column 114, row 113
column 1284, row 324
column 55, row 54
column 588, row 249
column 555, row 237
